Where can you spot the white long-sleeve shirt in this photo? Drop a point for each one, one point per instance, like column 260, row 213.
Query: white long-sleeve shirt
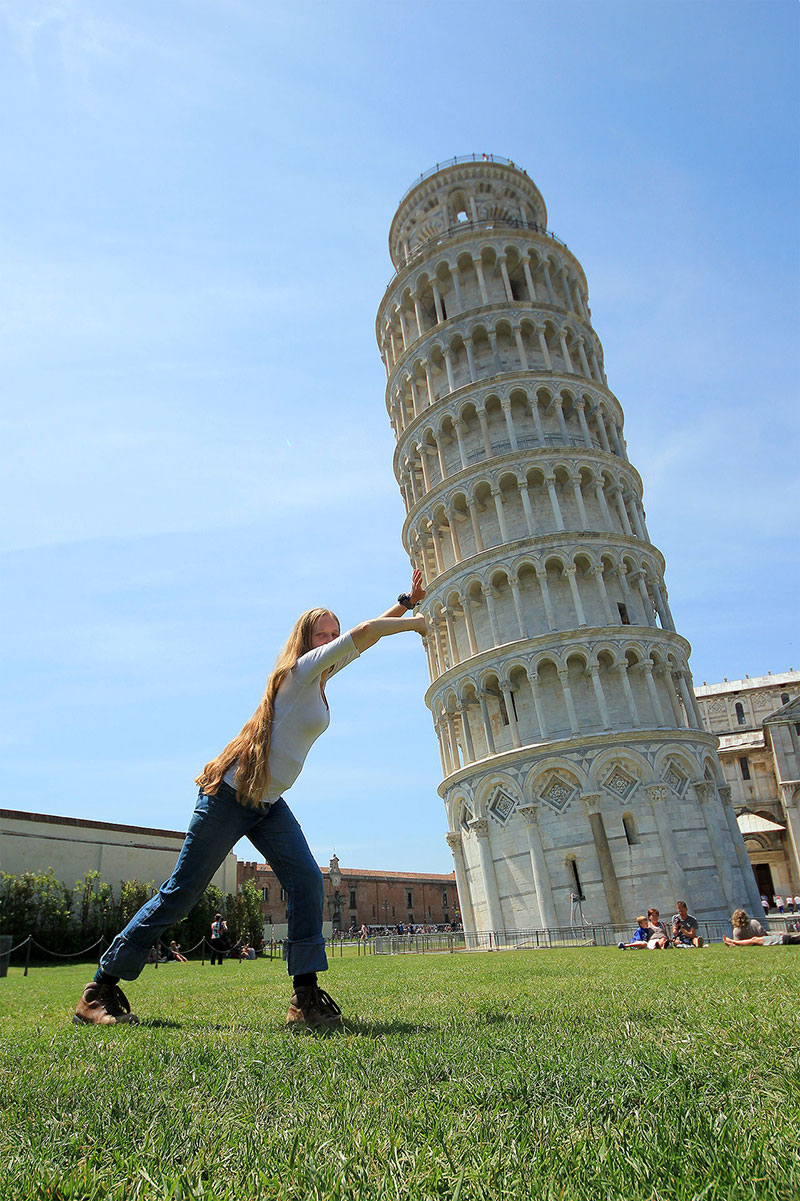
column 300, row 715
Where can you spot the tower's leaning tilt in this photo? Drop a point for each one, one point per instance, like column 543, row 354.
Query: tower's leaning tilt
column 574, row 761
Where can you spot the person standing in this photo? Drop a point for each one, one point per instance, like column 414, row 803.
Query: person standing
column 241, row 794
column 219, row 930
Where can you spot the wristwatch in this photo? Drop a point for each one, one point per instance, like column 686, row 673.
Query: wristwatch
column 405, row 600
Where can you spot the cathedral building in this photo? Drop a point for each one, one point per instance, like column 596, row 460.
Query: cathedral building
column 757, row 721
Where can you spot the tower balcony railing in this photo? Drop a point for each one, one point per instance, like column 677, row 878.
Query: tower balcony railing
column 455, row 161
column 528, row 443
column 461, row 227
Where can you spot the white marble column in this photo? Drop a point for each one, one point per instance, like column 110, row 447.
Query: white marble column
column 563, row 676
column 550, row 482
column 487, row 724
column 538, row 707
column 473, row 642
column 611, row 618
column 600, row 696
column 571, row 573
column 593, row 804
column 720, row 848
column 655, row 699
column 752, row 896
column 541, row 576
column 659, row 796
column 456, row 845
column 512, row 435
column 461, row 711
column 622, row 668
column 501, row 517
column 541, row 876
column 480, row 828
column 515, row 592
column 458, row 425
column 488, row 593
column 476, row 525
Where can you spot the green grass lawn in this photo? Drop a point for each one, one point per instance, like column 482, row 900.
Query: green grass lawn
column 584, row 1073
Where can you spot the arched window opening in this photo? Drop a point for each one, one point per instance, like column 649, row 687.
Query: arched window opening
column 623, row 614
column 572, row 868
column 740, row 713
column 784, row 698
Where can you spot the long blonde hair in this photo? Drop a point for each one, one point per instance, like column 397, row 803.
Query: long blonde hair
column 739, row 919
column 251, row 745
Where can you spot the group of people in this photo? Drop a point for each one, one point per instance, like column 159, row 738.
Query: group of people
column 782, row 904
column 652, row 934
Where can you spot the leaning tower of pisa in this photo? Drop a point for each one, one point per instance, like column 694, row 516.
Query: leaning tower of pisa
column 574, row 762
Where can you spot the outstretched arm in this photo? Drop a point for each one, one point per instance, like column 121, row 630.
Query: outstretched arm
column 368, row 633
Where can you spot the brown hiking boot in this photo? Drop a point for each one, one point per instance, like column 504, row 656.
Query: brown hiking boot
column 104, row 1004
column 311, row 1008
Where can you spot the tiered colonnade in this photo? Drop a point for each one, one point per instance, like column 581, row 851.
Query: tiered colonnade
column 561, row 692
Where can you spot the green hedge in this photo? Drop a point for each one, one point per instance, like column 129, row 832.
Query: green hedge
column 65, row 920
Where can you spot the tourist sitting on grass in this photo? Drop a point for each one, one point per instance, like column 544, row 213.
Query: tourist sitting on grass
column 175, row 953
column 641, row 937
column 241, row 794
column 684, row 928
column 247, row 952
column 745, row 927
column 659, row 935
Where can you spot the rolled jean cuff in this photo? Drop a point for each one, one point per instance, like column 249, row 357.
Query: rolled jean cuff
column 306, row 955
column 124, row 959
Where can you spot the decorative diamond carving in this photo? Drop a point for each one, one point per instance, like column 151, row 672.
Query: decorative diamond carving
column 676, row 781
column 501, row 806
column 717, row 706
column 557, row 793
column 620, row 782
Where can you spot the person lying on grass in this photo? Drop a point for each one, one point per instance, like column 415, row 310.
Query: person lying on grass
column 241, row 793
column 748, row 932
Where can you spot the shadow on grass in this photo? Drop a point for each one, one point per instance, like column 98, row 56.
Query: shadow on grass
column 379, row 1029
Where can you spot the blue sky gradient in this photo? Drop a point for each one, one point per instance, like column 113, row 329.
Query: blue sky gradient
column 193, row 246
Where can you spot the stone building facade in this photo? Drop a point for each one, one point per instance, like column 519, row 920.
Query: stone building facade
column 574, row 760
column 36, row 842
column 356, row 897
column 757, row 721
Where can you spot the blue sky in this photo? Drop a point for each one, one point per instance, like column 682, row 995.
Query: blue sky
column 193, row 244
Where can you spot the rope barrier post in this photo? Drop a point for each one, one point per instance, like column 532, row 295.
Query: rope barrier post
column 28, row 954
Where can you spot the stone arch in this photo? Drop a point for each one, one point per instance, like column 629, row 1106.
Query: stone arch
column 680, row 759
column 489, row 785
column 541, row 774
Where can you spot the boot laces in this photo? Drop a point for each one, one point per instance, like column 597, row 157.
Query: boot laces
column 114, row 1000
column 325, row 1003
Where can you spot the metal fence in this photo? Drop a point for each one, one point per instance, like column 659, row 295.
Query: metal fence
column 552, row 937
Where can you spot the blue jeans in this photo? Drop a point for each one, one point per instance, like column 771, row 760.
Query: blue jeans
column 217, row 824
